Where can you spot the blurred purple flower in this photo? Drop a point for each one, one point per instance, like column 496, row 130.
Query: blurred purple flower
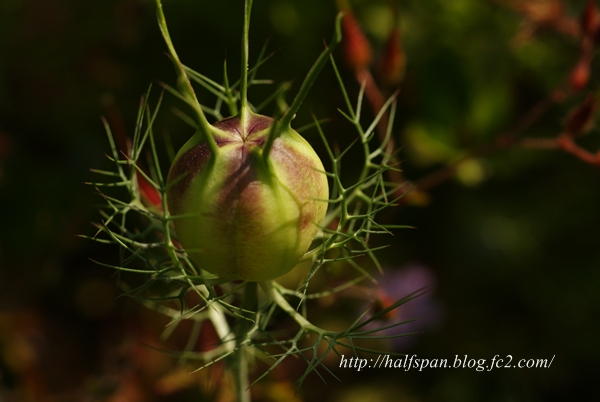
column 396, row 284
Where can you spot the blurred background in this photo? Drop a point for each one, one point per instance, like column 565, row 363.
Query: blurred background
column 494, row 125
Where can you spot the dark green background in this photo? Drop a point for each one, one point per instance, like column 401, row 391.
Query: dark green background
column 516, row 255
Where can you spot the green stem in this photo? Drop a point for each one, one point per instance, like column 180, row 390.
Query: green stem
column 242, row 330
column 272, row 290
column 310, row 79
column 204, row 127
column 244, row 109
column 231, row 102
column 241, row 375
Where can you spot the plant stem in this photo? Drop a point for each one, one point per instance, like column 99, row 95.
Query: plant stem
column 313, row 73
column 240, row 364
column 241, row 375
column 310, row 79
column 244, row 109
column 185, row 86
column 275, row 295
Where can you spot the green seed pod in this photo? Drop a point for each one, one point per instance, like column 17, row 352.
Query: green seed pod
column 243, row 215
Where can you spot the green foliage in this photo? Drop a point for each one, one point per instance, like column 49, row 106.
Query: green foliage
column 244, row 316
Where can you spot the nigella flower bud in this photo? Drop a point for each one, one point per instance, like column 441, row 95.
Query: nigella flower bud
column 590, row 19
column 357, row 48
column 392, row 61
column 580, row 75
column 239, row 214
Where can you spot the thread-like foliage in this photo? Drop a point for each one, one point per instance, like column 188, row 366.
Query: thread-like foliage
column 138, row 221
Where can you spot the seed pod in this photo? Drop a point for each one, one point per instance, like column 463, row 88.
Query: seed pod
column 244, row 216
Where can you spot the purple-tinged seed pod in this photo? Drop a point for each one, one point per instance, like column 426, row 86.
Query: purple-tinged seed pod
column 240, row 215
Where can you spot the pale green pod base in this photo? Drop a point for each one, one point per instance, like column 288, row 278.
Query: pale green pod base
column 242, row 217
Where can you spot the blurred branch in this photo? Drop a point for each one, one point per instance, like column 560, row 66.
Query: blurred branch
column 359, row 54
column 565, row 143
column 549, row 14
column 503, row 141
